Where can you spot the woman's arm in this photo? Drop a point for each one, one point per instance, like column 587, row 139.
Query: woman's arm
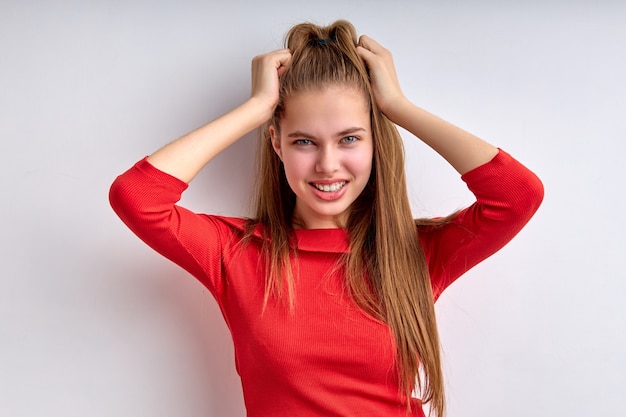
column 507, row 193
column 461, row 149
column 186, row 156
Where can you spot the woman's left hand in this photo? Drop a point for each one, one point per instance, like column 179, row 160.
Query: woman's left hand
column 383, row 76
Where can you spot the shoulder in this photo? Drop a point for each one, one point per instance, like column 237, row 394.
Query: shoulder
column 236, row 223
column 237, row 226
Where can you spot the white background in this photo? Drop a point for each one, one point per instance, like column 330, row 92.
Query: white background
column 93, row 323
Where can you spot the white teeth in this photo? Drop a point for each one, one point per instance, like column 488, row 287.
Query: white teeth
column 330, row 187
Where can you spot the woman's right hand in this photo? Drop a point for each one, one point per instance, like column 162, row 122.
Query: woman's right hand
column 186, row 156
column 266, row 70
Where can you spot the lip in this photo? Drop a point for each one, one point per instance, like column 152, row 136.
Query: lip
column 328, row 181
column 329, row 195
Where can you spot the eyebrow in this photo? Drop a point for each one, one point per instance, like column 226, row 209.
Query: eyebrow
column 348, row 131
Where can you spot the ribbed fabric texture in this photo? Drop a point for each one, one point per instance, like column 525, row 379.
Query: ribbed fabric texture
column 327, row 358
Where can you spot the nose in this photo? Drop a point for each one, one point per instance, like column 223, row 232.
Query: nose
column 328, row 161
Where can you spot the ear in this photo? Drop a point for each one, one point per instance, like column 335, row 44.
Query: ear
column 276, row 141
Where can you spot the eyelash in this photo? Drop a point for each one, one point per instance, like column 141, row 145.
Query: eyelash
column 347, row 140
column 352, row 139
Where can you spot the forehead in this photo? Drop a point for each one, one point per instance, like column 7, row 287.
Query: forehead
column 326, row 110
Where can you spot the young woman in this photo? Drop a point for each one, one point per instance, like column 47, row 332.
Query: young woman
column 328, row 291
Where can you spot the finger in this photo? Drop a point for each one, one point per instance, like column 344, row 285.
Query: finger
column 279, row 60
column 276, row 59
column 281, row 57
column 366, row 55
column 370, row 44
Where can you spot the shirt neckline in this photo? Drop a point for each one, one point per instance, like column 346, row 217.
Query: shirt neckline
column 323, row 240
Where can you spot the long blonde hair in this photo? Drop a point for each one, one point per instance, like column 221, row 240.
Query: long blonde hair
column 385, row 271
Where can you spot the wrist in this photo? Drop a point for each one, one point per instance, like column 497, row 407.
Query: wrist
column 395, row 108
column 261, row 110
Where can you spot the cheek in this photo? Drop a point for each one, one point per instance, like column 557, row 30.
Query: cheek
column 362, row 163
column 296, row 166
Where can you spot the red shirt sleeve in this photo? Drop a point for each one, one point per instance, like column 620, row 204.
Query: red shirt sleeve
column 145, row 200
column 507, row 195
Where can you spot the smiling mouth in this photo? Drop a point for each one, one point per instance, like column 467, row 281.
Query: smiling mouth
column 330, row 188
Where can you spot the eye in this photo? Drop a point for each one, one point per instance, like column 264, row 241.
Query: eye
column 349, row 139
column 302, row 142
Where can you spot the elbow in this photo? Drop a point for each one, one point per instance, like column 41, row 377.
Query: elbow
column 127, row 199
column 536, row 192
column 119, row 198
column 527, row 200
column 523, row 201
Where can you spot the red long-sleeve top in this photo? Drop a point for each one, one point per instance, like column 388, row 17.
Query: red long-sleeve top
column 327, row 358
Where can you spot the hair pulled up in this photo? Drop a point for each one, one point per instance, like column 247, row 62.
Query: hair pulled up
column 321, row 57
column 385, row 270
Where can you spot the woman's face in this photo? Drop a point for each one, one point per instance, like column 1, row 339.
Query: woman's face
column 325, row 144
